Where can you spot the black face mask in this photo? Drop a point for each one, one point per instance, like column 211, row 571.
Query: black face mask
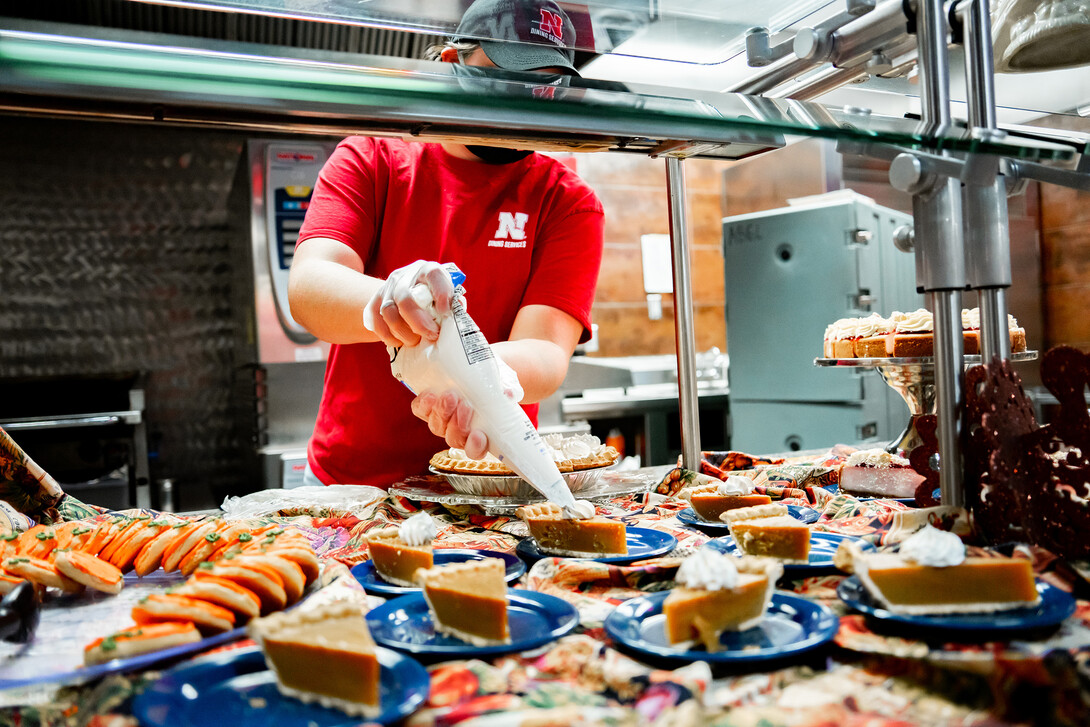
column 498, row 155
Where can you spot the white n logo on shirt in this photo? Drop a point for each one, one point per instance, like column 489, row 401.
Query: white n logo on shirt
column 512, row 230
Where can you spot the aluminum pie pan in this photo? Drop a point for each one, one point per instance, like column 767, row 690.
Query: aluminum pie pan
column 513, row 485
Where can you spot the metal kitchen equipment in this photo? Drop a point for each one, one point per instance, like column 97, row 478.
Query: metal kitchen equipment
column 791, row 272
column 290, row 365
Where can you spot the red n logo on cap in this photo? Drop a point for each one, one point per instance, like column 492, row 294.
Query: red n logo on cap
column 552, row 23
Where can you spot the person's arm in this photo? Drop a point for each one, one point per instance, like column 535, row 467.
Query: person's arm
column 332, row 297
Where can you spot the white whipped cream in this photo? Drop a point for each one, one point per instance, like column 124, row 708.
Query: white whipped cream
column 575, row 446
column 875, row 458
column 872, row 325
column 418, row 530
column 918, row 321
column 841, row 329
column 580, row 511
column 708, row 569
column 735, row 485
column 970, row 320
column 934, row 547
column 461, row 454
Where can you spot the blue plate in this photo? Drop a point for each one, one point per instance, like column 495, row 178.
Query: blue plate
column 642, row 543
column 689, row 517
column 822, row 548
column 372, row 582
column 237, row 689
column 792, row 625
column 533, row 619
column 1055, row 606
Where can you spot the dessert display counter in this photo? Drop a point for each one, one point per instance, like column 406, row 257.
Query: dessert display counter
column 595, row 639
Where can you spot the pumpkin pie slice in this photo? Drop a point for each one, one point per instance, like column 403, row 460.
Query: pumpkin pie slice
column 324, row 655
column 708, row 504
column 978, row 584
column 702, row 614
column 468, row 600
column 591, row 537
column 395, row 560
column 770, row 531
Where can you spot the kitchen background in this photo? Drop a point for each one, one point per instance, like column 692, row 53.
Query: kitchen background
column 126, row 268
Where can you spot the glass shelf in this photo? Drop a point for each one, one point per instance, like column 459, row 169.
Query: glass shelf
column 389, row 96
column 688, row 31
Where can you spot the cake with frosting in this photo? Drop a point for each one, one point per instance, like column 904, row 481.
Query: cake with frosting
column 905, row 335
column 878, row 473
column 717, row 593
column 931, row 574
column 571, row 454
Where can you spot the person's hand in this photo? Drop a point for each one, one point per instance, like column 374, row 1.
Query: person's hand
column 395, row 317
column 450, row 416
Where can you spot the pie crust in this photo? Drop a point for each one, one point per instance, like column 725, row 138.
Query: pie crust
column 468, row 600
column 324, row 655
column 769, row 530
column 591, row 537
column 696, row 614
column 454, row 461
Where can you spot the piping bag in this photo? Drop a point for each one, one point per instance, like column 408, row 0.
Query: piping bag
column 461, row 360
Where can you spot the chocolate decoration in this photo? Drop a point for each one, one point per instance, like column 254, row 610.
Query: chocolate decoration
column 921, row 457
column 1026, row 482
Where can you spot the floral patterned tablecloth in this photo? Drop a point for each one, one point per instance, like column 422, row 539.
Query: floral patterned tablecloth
column 866, row 678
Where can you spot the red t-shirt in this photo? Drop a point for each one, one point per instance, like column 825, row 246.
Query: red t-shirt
column 524, row 233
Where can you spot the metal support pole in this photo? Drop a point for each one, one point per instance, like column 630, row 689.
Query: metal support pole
column 685, row 340
column 940, row 257
column 987, row 228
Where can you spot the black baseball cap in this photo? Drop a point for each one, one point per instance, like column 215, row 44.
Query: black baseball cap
column 521, row 35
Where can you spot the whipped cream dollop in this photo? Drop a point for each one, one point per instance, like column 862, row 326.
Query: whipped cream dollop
column 455, row 453
column 934, row 547
column 418, row 530
column 580, row 511
column 970, row 320
column 850, row 328
column 872, row 325
column 918, row 321
column 735, row 485
column 708, row 569
column 576, row 446
column 875, row 458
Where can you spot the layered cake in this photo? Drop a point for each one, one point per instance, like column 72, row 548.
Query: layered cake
column 931, row 574
column 468, row 600
column 970, row 326
column 877, row 473
column 579, row 534
column 907, row 335
column 398, row 552
column 769, row 530
column 717, row 593
column 324, row 655
column 712, row 500
column 571, row 454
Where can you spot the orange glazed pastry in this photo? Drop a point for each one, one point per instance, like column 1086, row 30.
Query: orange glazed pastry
column 770, row 531
column 582, row 536
column 468, row 600
column 398, row 552
column 932, row 575
column 712, row 500
column 139, row 640
column 717, row 593
column 324, row 655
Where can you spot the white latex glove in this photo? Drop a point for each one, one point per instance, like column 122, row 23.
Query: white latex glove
column 399, row 320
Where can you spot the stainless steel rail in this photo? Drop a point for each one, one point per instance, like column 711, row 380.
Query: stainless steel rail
column 683, row 316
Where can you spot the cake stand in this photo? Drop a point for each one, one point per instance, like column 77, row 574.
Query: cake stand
column 914, row 379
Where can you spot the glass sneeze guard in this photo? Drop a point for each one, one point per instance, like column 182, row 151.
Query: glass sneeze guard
column 54, row 73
